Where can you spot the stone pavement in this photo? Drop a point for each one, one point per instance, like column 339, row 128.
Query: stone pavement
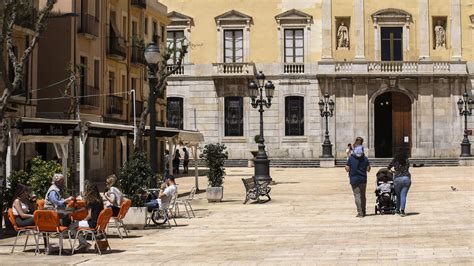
column 311, row 220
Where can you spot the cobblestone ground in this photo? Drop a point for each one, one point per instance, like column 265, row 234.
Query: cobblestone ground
column 310, row 220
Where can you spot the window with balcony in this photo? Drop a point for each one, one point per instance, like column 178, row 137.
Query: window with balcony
column 174, row 39
column 233, row 117
column 294, row 116
column 233, row 46
column 174, row 110
column 294, row 46
column 392, row 43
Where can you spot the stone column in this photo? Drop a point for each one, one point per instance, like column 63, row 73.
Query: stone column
column 359, row 17
column 456, row 29
column 424, row 30
column 326, row 9
column 376, row 40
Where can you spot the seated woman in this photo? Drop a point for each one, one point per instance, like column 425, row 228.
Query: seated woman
column 22, row 208
column 113, row 195
column 94, row 206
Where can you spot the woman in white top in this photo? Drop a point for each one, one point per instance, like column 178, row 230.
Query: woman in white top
column 113, row 195
column 22, row 209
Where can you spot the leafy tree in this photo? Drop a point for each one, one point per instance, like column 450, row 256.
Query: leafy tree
column 15, row 178
column 134, row 178
column 214, row 155
column 41, row 173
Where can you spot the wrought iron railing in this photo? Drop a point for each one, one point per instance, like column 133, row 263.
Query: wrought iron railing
column 116, row 46
column 90, row 96
column 89, row 25
column 114, row 105
column 137, row 55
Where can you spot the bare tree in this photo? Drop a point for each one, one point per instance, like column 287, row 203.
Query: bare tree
column 14, row 12
column 162, row 75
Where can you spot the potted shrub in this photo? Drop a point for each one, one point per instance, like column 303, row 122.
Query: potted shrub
column 214, row 155
column 134, row 178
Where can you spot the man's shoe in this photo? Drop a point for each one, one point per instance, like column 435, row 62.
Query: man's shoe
column 360, row 216
column 402, row 213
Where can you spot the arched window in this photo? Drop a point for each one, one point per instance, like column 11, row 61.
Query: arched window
column 234, row 116
column 174, row 112
column 294, row 116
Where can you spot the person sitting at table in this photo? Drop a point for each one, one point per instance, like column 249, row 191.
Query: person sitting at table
column 113, row 195
column 94, row 206
column 168, row 189
column 22, row 207
column 54, row 199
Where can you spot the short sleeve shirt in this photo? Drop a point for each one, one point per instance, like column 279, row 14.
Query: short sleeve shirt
column 358, row 169
column 96, row 208
column 169, row 192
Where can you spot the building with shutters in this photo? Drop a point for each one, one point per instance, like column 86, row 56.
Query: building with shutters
column 394, row 69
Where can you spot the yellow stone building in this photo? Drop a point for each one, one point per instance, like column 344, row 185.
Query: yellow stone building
column 395, row 70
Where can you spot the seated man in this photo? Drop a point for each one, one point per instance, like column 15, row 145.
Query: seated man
column 168, row 189
column 54, row 199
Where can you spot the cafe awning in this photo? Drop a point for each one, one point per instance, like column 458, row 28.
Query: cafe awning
column 163, row 131
column 106, row 130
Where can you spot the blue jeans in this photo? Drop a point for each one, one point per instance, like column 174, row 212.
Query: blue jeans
column 402, row 185
column 152, row 204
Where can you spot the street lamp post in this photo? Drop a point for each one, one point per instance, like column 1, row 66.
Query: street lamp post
column 261, row 162
column 152, row 57
column 326, row 107
column 465, row 106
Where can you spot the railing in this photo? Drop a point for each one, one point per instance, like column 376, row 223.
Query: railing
column 138, row 109
column 392, row 67
column 116, row 46
column 441, row 66
column 232, row 69
column 114, row 105
column 343, row 67
column 92, row 94
column 139, row 3
column 293, row 68
column 137, row 55
column 89, row 25
column 179, row 71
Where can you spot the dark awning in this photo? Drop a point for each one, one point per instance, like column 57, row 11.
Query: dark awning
column 47, row 127
column 107, row 130
column 162, row 131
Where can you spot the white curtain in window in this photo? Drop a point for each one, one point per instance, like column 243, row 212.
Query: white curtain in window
column 233, row 46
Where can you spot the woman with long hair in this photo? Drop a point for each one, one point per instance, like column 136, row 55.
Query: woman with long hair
column 22, row 208
column 402, row 178
column 94, row 205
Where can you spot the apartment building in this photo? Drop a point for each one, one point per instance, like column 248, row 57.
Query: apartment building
column 395, row 71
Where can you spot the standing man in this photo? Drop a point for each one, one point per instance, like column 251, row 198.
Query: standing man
column 185, row 161
column 357, row 167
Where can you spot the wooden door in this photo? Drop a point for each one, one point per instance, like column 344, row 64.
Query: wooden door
column 401, row 122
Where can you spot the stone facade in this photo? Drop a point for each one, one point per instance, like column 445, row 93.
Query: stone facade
column 432, row 79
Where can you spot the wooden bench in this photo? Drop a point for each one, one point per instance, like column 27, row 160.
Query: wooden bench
column 255, row 189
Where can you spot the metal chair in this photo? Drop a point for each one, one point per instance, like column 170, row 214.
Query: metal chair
column 28, row 230
column 47, row 223
column 118, row 221
column 186, row 202
column 98, row 231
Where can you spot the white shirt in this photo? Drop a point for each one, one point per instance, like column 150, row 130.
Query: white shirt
column 169, row 192
column 24, row 207
column 116, row 196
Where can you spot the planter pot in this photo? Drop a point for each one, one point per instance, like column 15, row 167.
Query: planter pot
column 215, row 194
column 135, row 218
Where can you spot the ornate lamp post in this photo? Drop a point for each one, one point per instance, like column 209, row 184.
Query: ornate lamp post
column 326, row 107
column 152, row 57
column 465, row 106
column 261, row 162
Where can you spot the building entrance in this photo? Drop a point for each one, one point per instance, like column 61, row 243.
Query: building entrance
column 392, row 123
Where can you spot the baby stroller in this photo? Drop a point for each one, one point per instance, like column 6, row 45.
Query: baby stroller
column 386, row 201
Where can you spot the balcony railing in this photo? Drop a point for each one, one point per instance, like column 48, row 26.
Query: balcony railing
column 233, row 69
column 138, row 109
column 137, row 55
column 139, row 3
column 114, row 105
column 116, row 47
column 90, row 96
column 293, row 68
column 393, row 67
column 89, row 25
column 179, row 71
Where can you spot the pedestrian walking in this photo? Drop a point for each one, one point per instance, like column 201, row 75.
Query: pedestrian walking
column 402, row 178
column 176, row 162
column 357, row 167
column 185, row 161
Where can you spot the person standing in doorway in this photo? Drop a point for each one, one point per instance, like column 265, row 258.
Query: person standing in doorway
column 185, row 161
column 402, row 178
column 357, row 167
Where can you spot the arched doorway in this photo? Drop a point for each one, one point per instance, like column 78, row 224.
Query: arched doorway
column 392, row 123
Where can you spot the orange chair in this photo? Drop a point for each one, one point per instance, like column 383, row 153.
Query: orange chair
column 40, row 204
column 81, row 214
column 98, row 231
column 47, row 223
column 118, row 221
column 29, row 230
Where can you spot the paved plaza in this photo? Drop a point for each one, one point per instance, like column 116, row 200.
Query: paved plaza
column 311, row 219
